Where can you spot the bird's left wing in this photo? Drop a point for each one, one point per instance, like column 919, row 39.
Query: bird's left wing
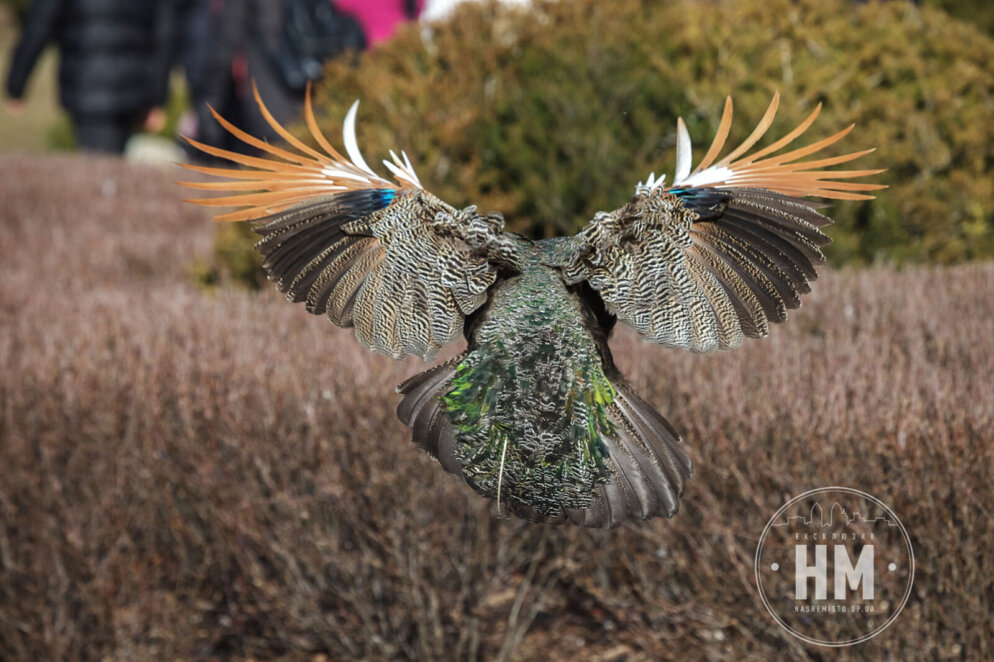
column 725, row 249
column 389, row 258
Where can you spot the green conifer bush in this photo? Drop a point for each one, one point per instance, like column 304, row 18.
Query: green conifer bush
column 552, row 114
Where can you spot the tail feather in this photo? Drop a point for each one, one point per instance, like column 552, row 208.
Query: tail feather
column 422, row 411
column 650, row 463
column 660, row 430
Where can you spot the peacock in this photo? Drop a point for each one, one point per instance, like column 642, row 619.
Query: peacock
column 534, row 414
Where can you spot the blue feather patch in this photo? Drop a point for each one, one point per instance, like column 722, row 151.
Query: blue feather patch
column 387, row 195
column 704, row 201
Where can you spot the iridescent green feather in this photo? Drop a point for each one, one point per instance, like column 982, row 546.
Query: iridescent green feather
column 530, row 402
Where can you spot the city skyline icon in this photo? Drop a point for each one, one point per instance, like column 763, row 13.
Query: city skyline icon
column 836, row 513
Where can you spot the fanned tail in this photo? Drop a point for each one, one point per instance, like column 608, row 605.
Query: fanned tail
column 650, row 462
column 422, row 411
column 650, row 465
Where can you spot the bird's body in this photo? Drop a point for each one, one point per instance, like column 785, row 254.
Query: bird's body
column 530, row 400
column 534, row 414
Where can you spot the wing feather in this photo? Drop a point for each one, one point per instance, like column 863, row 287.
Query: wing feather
column 757, row 133
column 766, row 169
column 367, row 252
column 724, row 128
column 728, row 248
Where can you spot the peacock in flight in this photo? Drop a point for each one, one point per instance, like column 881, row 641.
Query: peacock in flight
column 534, row 414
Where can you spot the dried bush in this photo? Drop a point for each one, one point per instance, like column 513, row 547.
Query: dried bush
column 191, row 475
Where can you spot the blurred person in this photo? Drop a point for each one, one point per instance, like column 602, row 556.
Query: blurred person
column 243, row 33
column 381, row 17
column 315, row 31
column 114, row 61
column 192, row 43
column 277, row 45
column 192, row 46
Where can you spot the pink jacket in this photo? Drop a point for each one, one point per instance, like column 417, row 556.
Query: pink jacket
column 379, row 17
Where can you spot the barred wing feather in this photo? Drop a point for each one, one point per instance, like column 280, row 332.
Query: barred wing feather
column 725, row 250
column 386, row 257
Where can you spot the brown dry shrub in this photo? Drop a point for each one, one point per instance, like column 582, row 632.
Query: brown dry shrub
column 187, row 475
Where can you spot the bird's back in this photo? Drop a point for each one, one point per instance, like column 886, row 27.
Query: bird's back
column 530, row 398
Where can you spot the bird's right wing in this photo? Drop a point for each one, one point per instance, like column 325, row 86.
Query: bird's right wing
column 389, row 258
column 723, row 251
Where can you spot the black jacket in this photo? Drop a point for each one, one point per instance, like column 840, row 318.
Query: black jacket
column 114, row 55
column 247, row 32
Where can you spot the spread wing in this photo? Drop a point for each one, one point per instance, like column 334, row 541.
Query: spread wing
column 725, row 249
column 389, row 258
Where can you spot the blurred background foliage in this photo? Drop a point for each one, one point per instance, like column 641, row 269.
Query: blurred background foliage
column 978, row 12
column 552, row 114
